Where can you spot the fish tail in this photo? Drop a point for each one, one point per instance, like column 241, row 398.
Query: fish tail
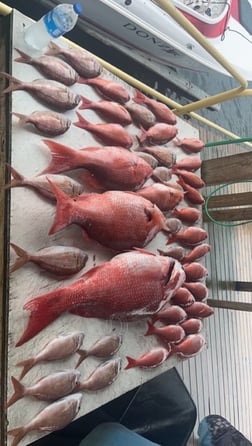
column 171, row 239
column 131, row 363
column 27, row 364
column 16, row 84
column 18, row 392
column 22, row 260
column 82, row 123
column 43, row 310
column 22, row 118
column 82, row 80
column 53, row 49
column 83, row 355
column 64, row 207
column 85, row 103
column 150, row 330
column 143, row 135
column 25, row 58
column 18, row 178
column 18, row 433
column 139, row 97
column 63, row 157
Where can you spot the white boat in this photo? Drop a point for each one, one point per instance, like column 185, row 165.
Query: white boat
column 144, row 31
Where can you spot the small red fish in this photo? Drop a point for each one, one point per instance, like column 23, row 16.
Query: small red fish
column 48, row 123
column 189, row 177
column 83, row 62
column 104, row 375
column 49, row 388
column 107, row 109
column 163, row 196
column 187, row 215
column 176, row 252
column 190, row 346
column 160, row 133
column 164, row 156
column 91, row 212
column 170, row 315
column 59, row 260
column 107, row 88
column 112, row 134
column 160, row 110
column 112, row 167
column 141, row 114
column 153, row 162
column 153, row 358
column 190, row 236
column 103, row 348
column 118, row 284
column 192, row 145
column 199, row 310
column 196, row 253
column 189, row 163
column 198, row 290
column 168, row 333
column 195, row 271
column 173, row 225
column 192, row 195
column 192, row 326
column 51, row 67
column 52, row 418
column 183, row 297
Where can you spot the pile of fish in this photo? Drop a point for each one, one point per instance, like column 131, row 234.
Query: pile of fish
column 138, row 189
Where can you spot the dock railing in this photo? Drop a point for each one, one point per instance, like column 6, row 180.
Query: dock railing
column 177, row 108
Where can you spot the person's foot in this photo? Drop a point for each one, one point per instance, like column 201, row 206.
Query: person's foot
column 214, row 430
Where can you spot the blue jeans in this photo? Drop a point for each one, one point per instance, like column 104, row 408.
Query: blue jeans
column 114, row 434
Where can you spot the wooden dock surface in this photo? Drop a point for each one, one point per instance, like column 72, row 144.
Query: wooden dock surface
column 219, row 379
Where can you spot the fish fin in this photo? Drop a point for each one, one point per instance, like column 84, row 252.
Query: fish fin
column 82, row 80
column 18, row 178
column 53, row 49
column 82, row 123
column 63, row 157
column 25, row 58
column 83, row 355
column 139, row 98
column 85, row 103
column 27, row 364
column 18, row 433
column 142, row 137
column 16, row 84
column 22, row 118
column 22, row 260
column 131, row 363
column 43, row 310
column 18, row 392
column 149, row 331
column 63, row 216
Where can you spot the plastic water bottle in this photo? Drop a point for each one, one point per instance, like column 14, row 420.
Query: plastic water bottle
column 55, row 23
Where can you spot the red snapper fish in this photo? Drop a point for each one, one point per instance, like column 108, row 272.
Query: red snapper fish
column 51, row 67
column 165, row 197
column 191, row 145
column 160, row 133
column 190, row 346
column 151, row 359
column 190, row 236
column 199, row 310
column 195, row 271
column 132, row 285
column 196, row 253
column 141, row 115
column 176, row 252
column 192, row 195
column 191, row 163
column 169, row 333
column 108, row 89
column 112, row 134
column 189, row 177
column 52, row 418
column 84, row 63
column 103, row 348
column 104, row 375
column 107, row 218
column 47, row 123
column 187, row 215
column 192, row 326
column 52, row 93
column 160, row 110
column 107, row 109
column 170, row 315
column 198, row 290
column 164, row 156
column 183, row 298
column 110, row 167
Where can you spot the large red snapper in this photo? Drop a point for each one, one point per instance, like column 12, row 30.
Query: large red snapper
column 111, row 167
column 132, row 285
column 116, row 219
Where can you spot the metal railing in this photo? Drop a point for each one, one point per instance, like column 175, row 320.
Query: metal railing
column 177, row 108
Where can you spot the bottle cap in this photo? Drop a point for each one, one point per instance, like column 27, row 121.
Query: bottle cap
column 77, row 8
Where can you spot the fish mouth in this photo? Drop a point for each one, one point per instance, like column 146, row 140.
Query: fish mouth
column 169, row 272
